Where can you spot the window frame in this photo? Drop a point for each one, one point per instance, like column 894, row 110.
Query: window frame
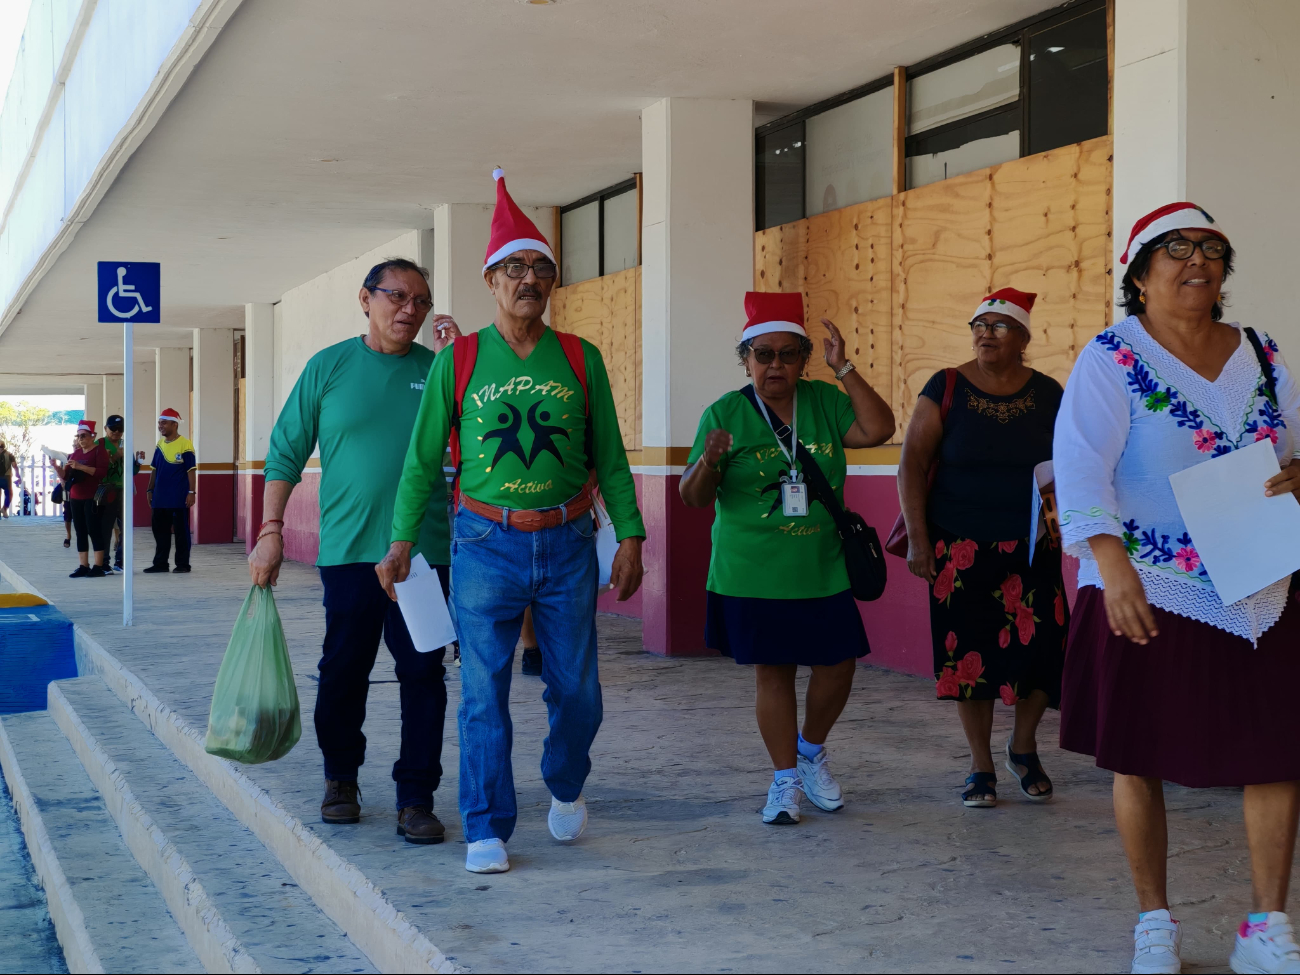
column 1020, row 32
column 599, row 197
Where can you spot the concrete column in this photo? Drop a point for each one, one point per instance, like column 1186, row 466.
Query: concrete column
column 114, row 401
column 259, row 416
column 95, row 403
column 214, row 433
column 144, row 419
column 172, row 386
column 460, row 238
column 697, row 246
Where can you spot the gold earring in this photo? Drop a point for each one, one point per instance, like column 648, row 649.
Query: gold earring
column 1219, row 300
column 1142, row 298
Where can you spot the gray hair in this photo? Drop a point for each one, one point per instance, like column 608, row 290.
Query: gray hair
column 747, row 346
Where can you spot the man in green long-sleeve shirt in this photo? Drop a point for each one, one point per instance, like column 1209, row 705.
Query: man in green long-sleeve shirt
column 536, row 419
column 358, row 400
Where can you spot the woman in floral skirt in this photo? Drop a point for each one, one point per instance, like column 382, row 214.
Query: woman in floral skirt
column 998, row 618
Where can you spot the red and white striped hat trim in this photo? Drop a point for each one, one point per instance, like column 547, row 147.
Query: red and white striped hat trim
column 1171, row 216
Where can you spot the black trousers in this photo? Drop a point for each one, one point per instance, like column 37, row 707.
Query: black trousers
column 357, row 612
column 89, row 524
column 164, row 521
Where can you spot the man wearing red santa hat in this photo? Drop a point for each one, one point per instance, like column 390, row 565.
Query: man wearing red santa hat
column 529, row 416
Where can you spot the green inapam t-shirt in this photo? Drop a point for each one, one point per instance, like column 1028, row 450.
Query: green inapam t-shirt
column 360, row 406
column 522, row 434
column 758, row 551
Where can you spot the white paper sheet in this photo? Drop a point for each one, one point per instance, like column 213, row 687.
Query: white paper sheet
column 606, row 542
column 1246, row 540
column 53, row 454
column 424, row 608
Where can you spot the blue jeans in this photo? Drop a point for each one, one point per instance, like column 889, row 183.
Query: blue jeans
column 357, row 612
column 495, row 573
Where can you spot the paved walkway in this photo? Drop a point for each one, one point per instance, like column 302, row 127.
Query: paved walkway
column 676, row 872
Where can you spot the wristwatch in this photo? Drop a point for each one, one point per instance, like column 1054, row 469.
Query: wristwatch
column 844, row 370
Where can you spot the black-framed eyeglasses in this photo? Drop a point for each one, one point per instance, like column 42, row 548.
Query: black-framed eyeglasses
column 400, row 298
column 544, row 270
column 1180, row 248
column 767, row 355
column 998, row 330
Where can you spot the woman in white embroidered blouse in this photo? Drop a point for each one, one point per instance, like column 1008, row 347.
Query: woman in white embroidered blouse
column 1162, row 681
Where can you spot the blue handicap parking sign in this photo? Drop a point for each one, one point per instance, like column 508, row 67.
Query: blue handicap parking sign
column 129, row 291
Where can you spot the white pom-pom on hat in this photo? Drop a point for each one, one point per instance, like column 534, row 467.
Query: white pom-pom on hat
column 498, row 173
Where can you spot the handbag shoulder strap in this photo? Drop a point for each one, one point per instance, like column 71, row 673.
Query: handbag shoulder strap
column 812, row 471
column 949, row 385
column 1265, row 364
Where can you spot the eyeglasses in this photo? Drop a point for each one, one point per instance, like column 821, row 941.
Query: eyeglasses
column 1180, row 248
column 767, row 355
column 997, row 329
column 544, row 270
column 400, row 298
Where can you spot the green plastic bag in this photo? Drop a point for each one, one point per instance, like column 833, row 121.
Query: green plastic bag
column 255, row 716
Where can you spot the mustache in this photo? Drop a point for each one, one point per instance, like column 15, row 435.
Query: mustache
column 528, row 291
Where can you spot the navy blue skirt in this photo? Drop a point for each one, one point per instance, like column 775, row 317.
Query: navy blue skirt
column 808, row 632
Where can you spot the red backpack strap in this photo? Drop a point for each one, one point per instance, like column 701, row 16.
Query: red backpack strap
column 464, row 355
column 577, row 356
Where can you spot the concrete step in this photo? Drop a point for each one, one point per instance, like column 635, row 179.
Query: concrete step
column 107, row 913
column 236, row 903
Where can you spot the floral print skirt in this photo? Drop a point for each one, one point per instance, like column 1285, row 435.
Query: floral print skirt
column 997, row 623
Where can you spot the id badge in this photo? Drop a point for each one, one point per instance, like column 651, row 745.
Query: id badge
column 794, row 499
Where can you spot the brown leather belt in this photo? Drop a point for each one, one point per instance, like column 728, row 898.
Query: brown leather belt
column 531, row 520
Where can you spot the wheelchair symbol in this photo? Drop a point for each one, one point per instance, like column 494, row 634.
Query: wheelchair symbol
column 126, row 292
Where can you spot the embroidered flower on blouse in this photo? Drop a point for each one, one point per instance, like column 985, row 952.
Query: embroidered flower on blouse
column 1124, row 357
column 1187, row 559
column 1204, row 440
column 1266, row 433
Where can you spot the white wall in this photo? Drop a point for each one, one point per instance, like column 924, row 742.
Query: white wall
column 697, row 254
column 144, row 416
column 1207, row 106
column 1243, row 141
column 325, row 310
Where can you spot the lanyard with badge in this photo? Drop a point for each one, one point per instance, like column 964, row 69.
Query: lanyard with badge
column 794, row 492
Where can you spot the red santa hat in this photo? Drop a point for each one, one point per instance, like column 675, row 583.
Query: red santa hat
column 86, row 426
column 170, row 414
column 1171, row 216
column 1010, row 302
column 773, row 311
column 511, row 229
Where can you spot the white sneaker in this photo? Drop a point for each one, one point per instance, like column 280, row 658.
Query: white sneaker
column 487, row 856
column 567, row 820
column 818, row 784
column 1267, row 947
column 1157, row 939
column 782, row 807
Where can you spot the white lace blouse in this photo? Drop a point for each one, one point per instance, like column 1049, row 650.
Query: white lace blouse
column 1132, row 415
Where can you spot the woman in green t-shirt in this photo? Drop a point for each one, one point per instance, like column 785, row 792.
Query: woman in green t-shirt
column 778, row 591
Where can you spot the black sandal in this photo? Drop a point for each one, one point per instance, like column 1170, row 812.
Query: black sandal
column 1033, row 774
column 982, row 791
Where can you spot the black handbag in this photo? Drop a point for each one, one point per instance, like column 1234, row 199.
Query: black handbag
column 863, row 556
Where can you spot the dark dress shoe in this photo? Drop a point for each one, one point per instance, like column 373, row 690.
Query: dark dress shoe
column 157, row 568
column 531, row 663
column 342, row 803
column 419, row 825
column 181, row 568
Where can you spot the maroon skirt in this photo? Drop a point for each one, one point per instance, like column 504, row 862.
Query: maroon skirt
column 1197, row 705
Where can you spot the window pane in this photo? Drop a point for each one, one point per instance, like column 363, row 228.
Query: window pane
column 849, row 153
column 976, row 84
column 964, row 148
column 779, row 177
column 620, row 232
column 580, row 243
column 1067, row 82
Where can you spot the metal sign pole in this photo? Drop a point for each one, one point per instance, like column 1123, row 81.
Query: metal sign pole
column 128, row 470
